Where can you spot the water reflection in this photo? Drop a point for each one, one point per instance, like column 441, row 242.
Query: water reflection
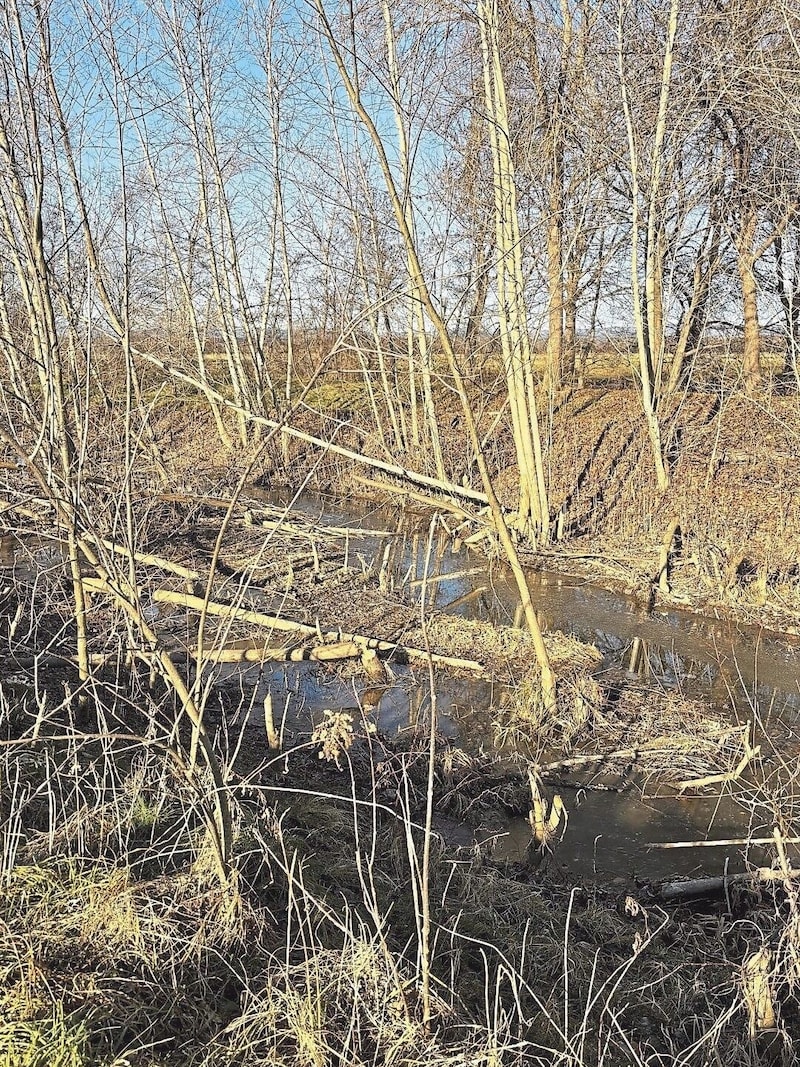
column 608, row 835
column 708, row 658
column 733, row 669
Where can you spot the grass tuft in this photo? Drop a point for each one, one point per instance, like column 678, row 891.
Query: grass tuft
column 55, row 1041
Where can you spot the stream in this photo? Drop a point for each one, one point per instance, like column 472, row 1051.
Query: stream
column 739, row 672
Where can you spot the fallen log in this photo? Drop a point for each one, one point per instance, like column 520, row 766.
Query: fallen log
column 448, row 576
column 465, row 598
column 723, row 842
column 692, row 888
column 464, row 492
column 285, row 522
column 37, row 661
column 265, row 654
column 261, row 654
column 315, row 529
column 146, row 558
column 275, row 622
column 413, row 494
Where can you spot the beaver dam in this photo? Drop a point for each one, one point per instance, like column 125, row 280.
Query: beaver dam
column 322, row 813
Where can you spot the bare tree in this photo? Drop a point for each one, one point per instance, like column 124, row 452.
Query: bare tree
column 786, row 250
column 557, row 149
column 416, row 326
column 434, row 315
column 647, row 200
column 746, row 69
column 533, row 516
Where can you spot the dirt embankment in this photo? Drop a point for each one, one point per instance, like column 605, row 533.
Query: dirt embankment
column 731, row 516
column 729, row 522
column 735, row 493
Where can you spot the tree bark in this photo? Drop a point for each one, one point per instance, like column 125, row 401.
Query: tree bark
column 751, row 354
column 555, row 301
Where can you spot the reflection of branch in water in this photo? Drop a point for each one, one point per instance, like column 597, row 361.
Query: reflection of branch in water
column 465, row 598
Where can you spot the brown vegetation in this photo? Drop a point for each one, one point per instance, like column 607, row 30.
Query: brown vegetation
column 250, row 248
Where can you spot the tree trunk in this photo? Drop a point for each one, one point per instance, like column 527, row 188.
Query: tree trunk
column 542, row 657
column 568, row 354
column 555, row 299
column 475, row 317
column 789, row 293
column 694, row 319
column 533, row 518
column 751, row 353
column 648, row 319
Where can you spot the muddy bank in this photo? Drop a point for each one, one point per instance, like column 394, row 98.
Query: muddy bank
column 733, row 504
column 734, row 494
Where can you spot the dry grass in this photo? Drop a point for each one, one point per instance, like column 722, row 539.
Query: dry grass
column 503, row 649
column 670, row 737
column 734, row 462
column 308, row 956
column 120, row 945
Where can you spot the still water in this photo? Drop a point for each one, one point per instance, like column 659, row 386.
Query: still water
column 740, row 673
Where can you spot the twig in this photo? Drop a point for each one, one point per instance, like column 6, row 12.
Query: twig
column 729, row 776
